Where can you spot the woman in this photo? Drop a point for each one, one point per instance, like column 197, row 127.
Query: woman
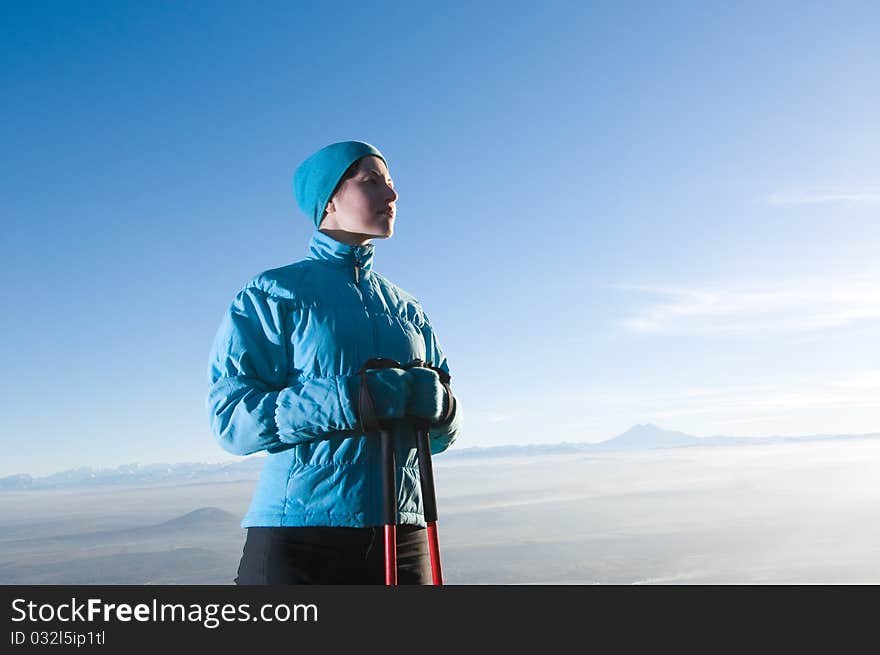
column 284, row 378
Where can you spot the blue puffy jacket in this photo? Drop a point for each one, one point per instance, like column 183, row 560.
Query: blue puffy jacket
column 283, row 378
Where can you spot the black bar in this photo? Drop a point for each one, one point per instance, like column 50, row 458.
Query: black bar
column 750, row 617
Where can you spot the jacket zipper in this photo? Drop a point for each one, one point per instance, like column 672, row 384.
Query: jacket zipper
column 358, row 265
column 357, row 268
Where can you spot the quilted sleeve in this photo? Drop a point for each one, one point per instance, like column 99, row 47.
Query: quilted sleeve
column 250, row 406
column 442, row 434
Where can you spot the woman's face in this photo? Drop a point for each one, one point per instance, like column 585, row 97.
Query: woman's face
column 363, row 206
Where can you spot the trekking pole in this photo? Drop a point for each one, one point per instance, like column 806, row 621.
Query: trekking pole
column 429, row 499
column 426, row 472
column 389, row 506
column 369, row 422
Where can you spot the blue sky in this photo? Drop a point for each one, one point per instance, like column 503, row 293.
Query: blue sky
column 614, row 213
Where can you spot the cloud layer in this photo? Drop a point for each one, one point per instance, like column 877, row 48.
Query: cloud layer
column 869, row 197
column 808, row 305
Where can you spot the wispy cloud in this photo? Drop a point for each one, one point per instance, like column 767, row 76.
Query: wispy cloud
column 858, row 388
column 867, row 380
column 792, row 407
column 759, row 404
column 869, row 197
column 806, row 305
column 763, row 404
column 489, row 416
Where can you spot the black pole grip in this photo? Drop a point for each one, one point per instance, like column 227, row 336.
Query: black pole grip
column 426, row 472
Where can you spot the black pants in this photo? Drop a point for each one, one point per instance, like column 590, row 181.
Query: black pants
column 319, row 555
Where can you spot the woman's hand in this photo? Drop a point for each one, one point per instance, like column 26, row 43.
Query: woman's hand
column 390, row 390
column 428, row 398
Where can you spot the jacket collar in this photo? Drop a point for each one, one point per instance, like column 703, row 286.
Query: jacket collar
column 325, row 248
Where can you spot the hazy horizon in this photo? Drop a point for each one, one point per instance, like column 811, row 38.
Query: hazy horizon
column 456, row 448
column 800, row 513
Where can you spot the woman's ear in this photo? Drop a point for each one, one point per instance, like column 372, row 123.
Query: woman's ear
column 329, row 209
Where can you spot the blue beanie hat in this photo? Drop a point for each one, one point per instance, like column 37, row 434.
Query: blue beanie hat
column 316, row 178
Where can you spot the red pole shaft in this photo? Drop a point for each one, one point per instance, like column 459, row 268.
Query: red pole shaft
column 390, row 554
column 434, row 549
column 389, row 509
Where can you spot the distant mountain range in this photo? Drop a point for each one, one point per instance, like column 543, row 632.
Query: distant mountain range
column 137, row 474
column 638, row 437
column 643, row 437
